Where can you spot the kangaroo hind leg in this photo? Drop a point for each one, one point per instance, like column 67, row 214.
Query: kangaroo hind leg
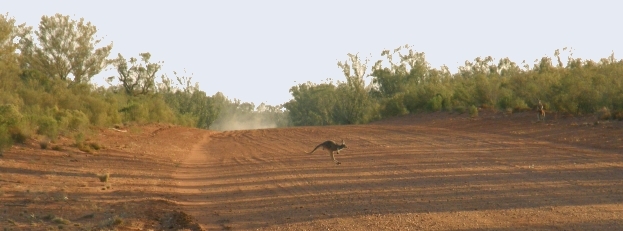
column 333, row 157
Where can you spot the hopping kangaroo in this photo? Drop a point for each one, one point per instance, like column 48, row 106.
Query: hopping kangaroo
column 332, row 147
column 541, row 112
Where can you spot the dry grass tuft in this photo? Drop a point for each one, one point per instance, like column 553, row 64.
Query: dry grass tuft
column 57, row 148
column 104, row 177
column 95, row 146
column 604, row 114
column 44, row 144
column 60, row 220
column 83, row 147
column 89, row 147
column 111, row 222
column 88, row 216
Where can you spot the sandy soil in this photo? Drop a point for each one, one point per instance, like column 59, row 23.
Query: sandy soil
column 435, row 171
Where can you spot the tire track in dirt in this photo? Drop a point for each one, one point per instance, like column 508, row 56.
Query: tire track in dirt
column 186, row 175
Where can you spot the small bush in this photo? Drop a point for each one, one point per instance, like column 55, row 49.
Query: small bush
column 44, row 144
column 55, row 219
column 619, row 115
column 520, row 105
column 460, row 109
column 473, row 111
column 111, row 222
column 73, row 120
column 604, row 114
column 19, row 135
column 48, row 127
column 435, row 103
column 88, row 216
column 79, row 138
column 57, row 148
column 60, row 220
column 394, row 107
column 9, row 115
column 5, row 139
column 84, row 147
column 135, row 112
column 95, row 146
column 116, row 221
column 104, row 177
column 508, row 111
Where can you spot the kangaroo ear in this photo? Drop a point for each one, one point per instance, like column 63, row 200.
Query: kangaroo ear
column 342, row 141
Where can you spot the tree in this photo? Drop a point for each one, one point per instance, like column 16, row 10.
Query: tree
column 9, row 64
column 313, row 104
column 406, row 85
column 136, row 78
column 354, row 105
column 65, row 47
column 411, row 70
column 189, row 101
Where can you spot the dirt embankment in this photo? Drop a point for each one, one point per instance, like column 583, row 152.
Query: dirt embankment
column 436, row 171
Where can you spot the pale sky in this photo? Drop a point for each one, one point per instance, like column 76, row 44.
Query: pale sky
column 256, row 50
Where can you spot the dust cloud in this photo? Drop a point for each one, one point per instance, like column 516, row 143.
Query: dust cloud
column 235, row 115
column 237, row 123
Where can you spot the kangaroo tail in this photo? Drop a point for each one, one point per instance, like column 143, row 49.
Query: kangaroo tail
column 320, row 145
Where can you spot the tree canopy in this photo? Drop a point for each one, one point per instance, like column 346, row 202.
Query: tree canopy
column 63, row 47
column 45, row 88
column 404, row 82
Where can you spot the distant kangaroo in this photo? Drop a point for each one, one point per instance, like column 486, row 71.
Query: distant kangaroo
column 541, row 112
column 332, row 147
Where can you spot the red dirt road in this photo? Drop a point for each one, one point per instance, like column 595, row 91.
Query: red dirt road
column 413, row 173
column 420, row 172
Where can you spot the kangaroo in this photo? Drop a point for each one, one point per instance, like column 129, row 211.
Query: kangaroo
column 541, row 112
column 332, row 147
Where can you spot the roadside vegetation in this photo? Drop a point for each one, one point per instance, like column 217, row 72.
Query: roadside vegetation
column 46, row 87
column 403, row 82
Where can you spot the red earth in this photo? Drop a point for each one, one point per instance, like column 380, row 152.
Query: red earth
column 436, row 171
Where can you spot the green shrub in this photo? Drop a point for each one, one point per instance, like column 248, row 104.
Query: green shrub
column 9, row 115
column 19, row 134
column 394, row 107
column 57, row 148
column 508, row 111
column 79, row 138
column 460, row 109
column 84, row 147
column 95, row 146
column 618, row 115
column 435, row 103
column 473, row 111
column 519, row 105
column 48, row 127
column 413, row 100
column 101, row 112
column 72, row 120
column 604, row 114
column 5, row 139
column 136, row 113
column 160, row 112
